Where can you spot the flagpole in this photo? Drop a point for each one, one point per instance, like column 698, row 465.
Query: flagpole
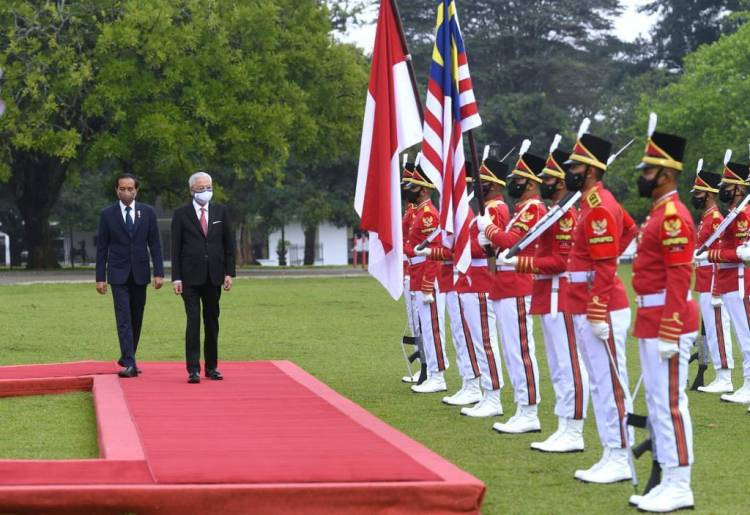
column 409, row 64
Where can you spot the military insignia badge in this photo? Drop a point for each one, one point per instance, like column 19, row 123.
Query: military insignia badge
column 566, row 224
column 427, row 221
column 599, row 226
column 672, row 227
column 526, row 216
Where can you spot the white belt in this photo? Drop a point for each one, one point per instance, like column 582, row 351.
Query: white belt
column 506, row 268
column 542, row 277
column 728, row 266
column 478, row 262
column 417, row 259
column 447, row 262
column 702, row 262
column 654, row 300
column 580, row 277
column 405, row 258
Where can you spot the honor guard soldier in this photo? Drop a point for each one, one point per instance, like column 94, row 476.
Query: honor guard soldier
column 430, row 302
column 733, row 282
column 666, row 321
column 466, row 359
column 475, row 294
column 718, row 336
column 599, row 304
column 511, row 292
column 412, row 318
column 570, row 380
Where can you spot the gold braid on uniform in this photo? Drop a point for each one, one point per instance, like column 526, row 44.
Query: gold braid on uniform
column 490, row 231
column 714, row 256
column 526, row 265
column 439, row 254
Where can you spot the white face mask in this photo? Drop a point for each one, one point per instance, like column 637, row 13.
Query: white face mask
column 203, row 197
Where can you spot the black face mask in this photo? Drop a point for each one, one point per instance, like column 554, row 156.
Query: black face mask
column 515, row 190
column 699, row 202
column 412, row 196
column 547, row 191
column 486, row 189
column 726, row 194
column 646, row 187
column 574, row 182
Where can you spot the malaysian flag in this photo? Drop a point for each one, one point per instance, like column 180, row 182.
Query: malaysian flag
column 450, row 110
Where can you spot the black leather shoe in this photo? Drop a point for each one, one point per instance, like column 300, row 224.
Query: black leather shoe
column 128, row 372
column 214, row 374
column 121, row 362
column 194, row 377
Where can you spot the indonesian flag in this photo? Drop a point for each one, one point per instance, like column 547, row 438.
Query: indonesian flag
column 392, row 124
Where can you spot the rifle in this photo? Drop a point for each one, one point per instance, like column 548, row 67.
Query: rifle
column 552, row 216
column 723, row 225
column 702, row 357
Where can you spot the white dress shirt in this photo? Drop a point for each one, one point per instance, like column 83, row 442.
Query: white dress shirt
column 198, row 208
column 124, row 213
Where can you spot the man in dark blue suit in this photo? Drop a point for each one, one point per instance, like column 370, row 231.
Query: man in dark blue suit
column 128, row 232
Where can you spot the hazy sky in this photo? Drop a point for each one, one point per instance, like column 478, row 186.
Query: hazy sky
column 628, row 26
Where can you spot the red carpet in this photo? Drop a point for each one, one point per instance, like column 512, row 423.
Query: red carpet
column 268, row 438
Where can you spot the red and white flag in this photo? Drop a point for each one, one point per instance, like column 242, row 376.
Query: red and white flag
column 450, row 110
column 392, row 123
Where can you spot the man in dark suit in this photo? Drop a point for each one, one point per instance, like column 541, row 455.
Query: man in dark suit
column 128, row 232
column 202, row 263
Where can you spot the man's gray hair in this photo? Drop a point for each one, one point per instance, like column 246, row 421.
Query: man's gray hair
column 196, row 175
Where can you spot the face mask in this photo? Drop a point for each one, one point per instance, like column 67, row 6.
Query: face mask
column 486, row 189
column 203, row 197
column 646, row 187
column 574, row 182
column 547, row 191
column 412, row 195
column 699, row 202
column 515, row 190
column 726, row 194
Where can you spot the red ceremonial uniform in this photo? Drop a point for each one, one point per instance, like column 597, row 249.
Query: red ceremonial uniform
column 406, row 222
column 726, row 252
column 663, row 266
column 423, row 271
column 603, row 231
column 550, row 259
column 704, row 273
column 510, row 283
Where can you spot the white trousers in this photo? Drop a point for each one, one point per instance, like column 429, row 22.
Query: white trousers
column 412, row 318
column 479, row 318
column 516, row 328
column 432, row 329
column 667, row 401
column 570, row 380
column 739, row 311
column 611, row 401
column 718, row 332
column 466, row 359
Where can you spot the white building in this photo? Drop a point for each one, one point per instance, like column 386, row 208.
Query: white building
column 331, row 245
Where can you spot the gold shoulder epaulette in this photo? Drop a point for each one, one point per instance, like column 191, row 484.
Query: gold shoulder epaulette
column 593, row 199
column 670, row 209
column 427, row 209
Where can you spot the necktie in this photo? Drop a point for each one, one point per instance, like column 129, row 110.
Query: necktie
column 204, row 222
column 128, row 219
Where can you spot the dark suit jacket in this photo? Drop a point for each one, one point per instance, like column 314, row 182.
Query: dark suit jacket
column 199, row 259
column 118, row 253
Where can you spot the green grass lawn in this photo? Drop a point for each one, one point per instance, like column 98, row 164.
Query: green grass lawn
column 346, row 332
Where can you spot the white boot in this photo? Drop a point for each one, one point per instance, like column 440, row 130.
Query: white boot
column 435, row 383
column 741, row 396
column 569, row 440
column 524, row 421
column 489, row 406
column 615, row 469
column 674, row 495
column 561, row 423
column 722, row 383
column 469, row 393
column 583, row 475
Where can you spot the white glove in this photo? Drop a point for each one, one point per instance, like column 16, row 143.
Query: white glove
column 600, row 330
column 483, row 222
column 483, row 241
column 423, row 252
column 716, row 301
column 428, row 298
column 504, row 260
column 667, row 349
column 701, row 256
column 743, row 252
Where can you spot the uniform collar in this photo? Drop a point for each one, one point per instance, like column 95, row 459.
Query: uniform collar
column 710, row 210
column 663, row 200
column 424, row 203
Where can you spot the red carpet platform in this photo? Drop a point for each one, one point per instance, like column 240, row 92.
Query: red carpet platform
column 270, row 438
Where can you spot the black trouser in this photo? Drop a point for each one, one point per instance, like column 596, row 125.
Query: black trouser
column 130, row 300
column 192, row 296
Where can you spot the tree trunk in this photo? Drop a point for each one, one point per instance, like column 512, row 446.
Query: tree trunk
column 36, row 182
column 310, row 234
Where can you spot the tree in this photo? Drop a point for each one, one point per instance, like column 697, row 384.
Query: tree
column 684, row 25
